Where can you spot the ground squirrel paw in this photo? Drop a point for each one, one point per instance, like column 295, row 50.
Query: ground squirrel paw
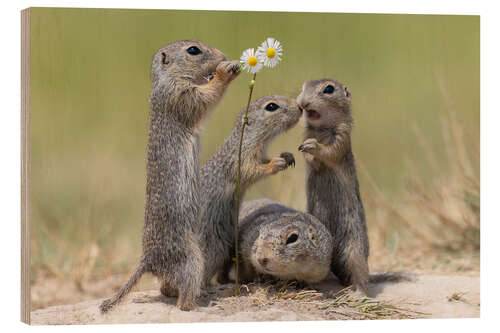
column 290, row 160
column 236, row 67
column 279, row 164
column 309, row 146
column 228, row 70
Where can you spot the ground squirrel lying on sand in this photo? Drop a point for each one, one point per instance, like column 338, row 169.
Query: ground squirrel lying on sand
column 280, row 241
column 332, row 185
column 268, row 117
column 188, row 79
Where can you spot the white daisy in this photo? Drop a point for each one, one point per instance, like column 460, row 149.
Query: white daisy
column 250, row 61
column 270, row 52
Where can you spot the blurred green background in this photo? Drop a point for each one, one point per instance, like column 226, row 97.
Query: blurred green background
column 89, row 110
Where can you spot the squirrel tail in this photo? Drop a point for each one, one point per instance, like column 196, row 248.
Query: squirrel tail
column 107, row 304
column 357, row 264
column 389, row 277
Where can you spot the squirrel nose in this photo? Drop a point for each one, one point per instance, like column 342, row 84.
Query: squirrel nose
column 303, row 106
column 263, row 261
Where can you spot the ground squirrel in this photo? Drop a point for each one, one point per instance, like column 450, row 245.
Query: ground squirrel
column 332, row 184
column 282, row 242
column 188, row 79
column 268, row 117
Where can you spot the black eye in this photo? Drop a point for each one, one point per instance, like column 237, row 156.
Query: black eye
column 292, row 239
column 272, row 107
column 329, row 89
column 193, row 50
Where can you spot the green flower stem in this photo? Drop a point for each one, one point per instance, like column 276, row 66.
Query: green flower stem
column 237, row 227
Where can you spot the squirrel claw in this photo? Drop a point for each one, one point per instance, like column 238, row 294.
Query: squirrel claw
column 278, row 164
column 226, row 70
column 309, row 146
column 236, row 68
column 289, row 158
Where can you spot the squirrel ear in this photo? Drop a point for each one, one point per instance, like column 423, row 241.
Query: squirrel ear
column 313, row 235
column 164, row 58
column 347, row 92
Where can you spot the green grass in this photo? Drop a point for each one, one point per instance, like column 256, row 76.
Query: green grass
column 89, row 106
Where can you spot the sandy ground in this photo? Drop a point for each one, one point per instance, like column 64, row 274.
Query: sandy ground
column 424, row 296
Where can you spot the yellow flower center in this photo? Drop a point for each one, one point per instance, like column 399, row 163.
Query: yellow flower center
column 252, row 61
column 271, row 52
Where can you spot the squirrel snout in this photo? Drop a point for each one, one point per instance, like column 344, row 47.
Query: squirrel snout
column 219, row 55
column 263, row 261
column 303, row 105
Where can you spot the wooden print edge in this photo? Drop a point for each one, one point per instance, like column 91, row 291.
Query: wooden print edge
column 25, row 136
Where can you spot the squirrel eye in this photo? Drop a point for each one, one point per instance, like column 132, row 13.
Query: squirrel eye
column 272, row 107
column 329, row 89
column 292, row 238
column 193, row 50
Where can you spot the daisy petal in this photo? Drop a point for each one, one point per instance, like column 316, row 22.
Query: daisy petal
column 270, row 52
column 250, row 62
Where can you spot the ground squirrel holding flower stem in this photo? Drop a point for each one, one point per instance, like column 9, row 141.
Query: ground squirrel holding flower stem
column 332, row 184
column 188, row 80
column 267, row 118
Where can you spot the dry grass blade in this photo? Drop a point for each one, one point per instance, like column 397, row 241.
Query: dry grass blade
column 306, row 295
column 367, row 308
column 455, row 297
column 441, row 212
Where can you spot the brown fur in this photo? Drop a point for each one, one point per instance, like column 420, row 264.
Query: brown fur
column 181, row 98
column 332, row 185
column 265, row 228
column 219, row 175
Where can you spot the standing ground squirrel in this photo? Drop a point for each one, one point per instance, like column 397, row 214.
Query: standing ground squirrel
column 188, row 79
column 280, row 241
column 332, row 184
column 268, row 117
